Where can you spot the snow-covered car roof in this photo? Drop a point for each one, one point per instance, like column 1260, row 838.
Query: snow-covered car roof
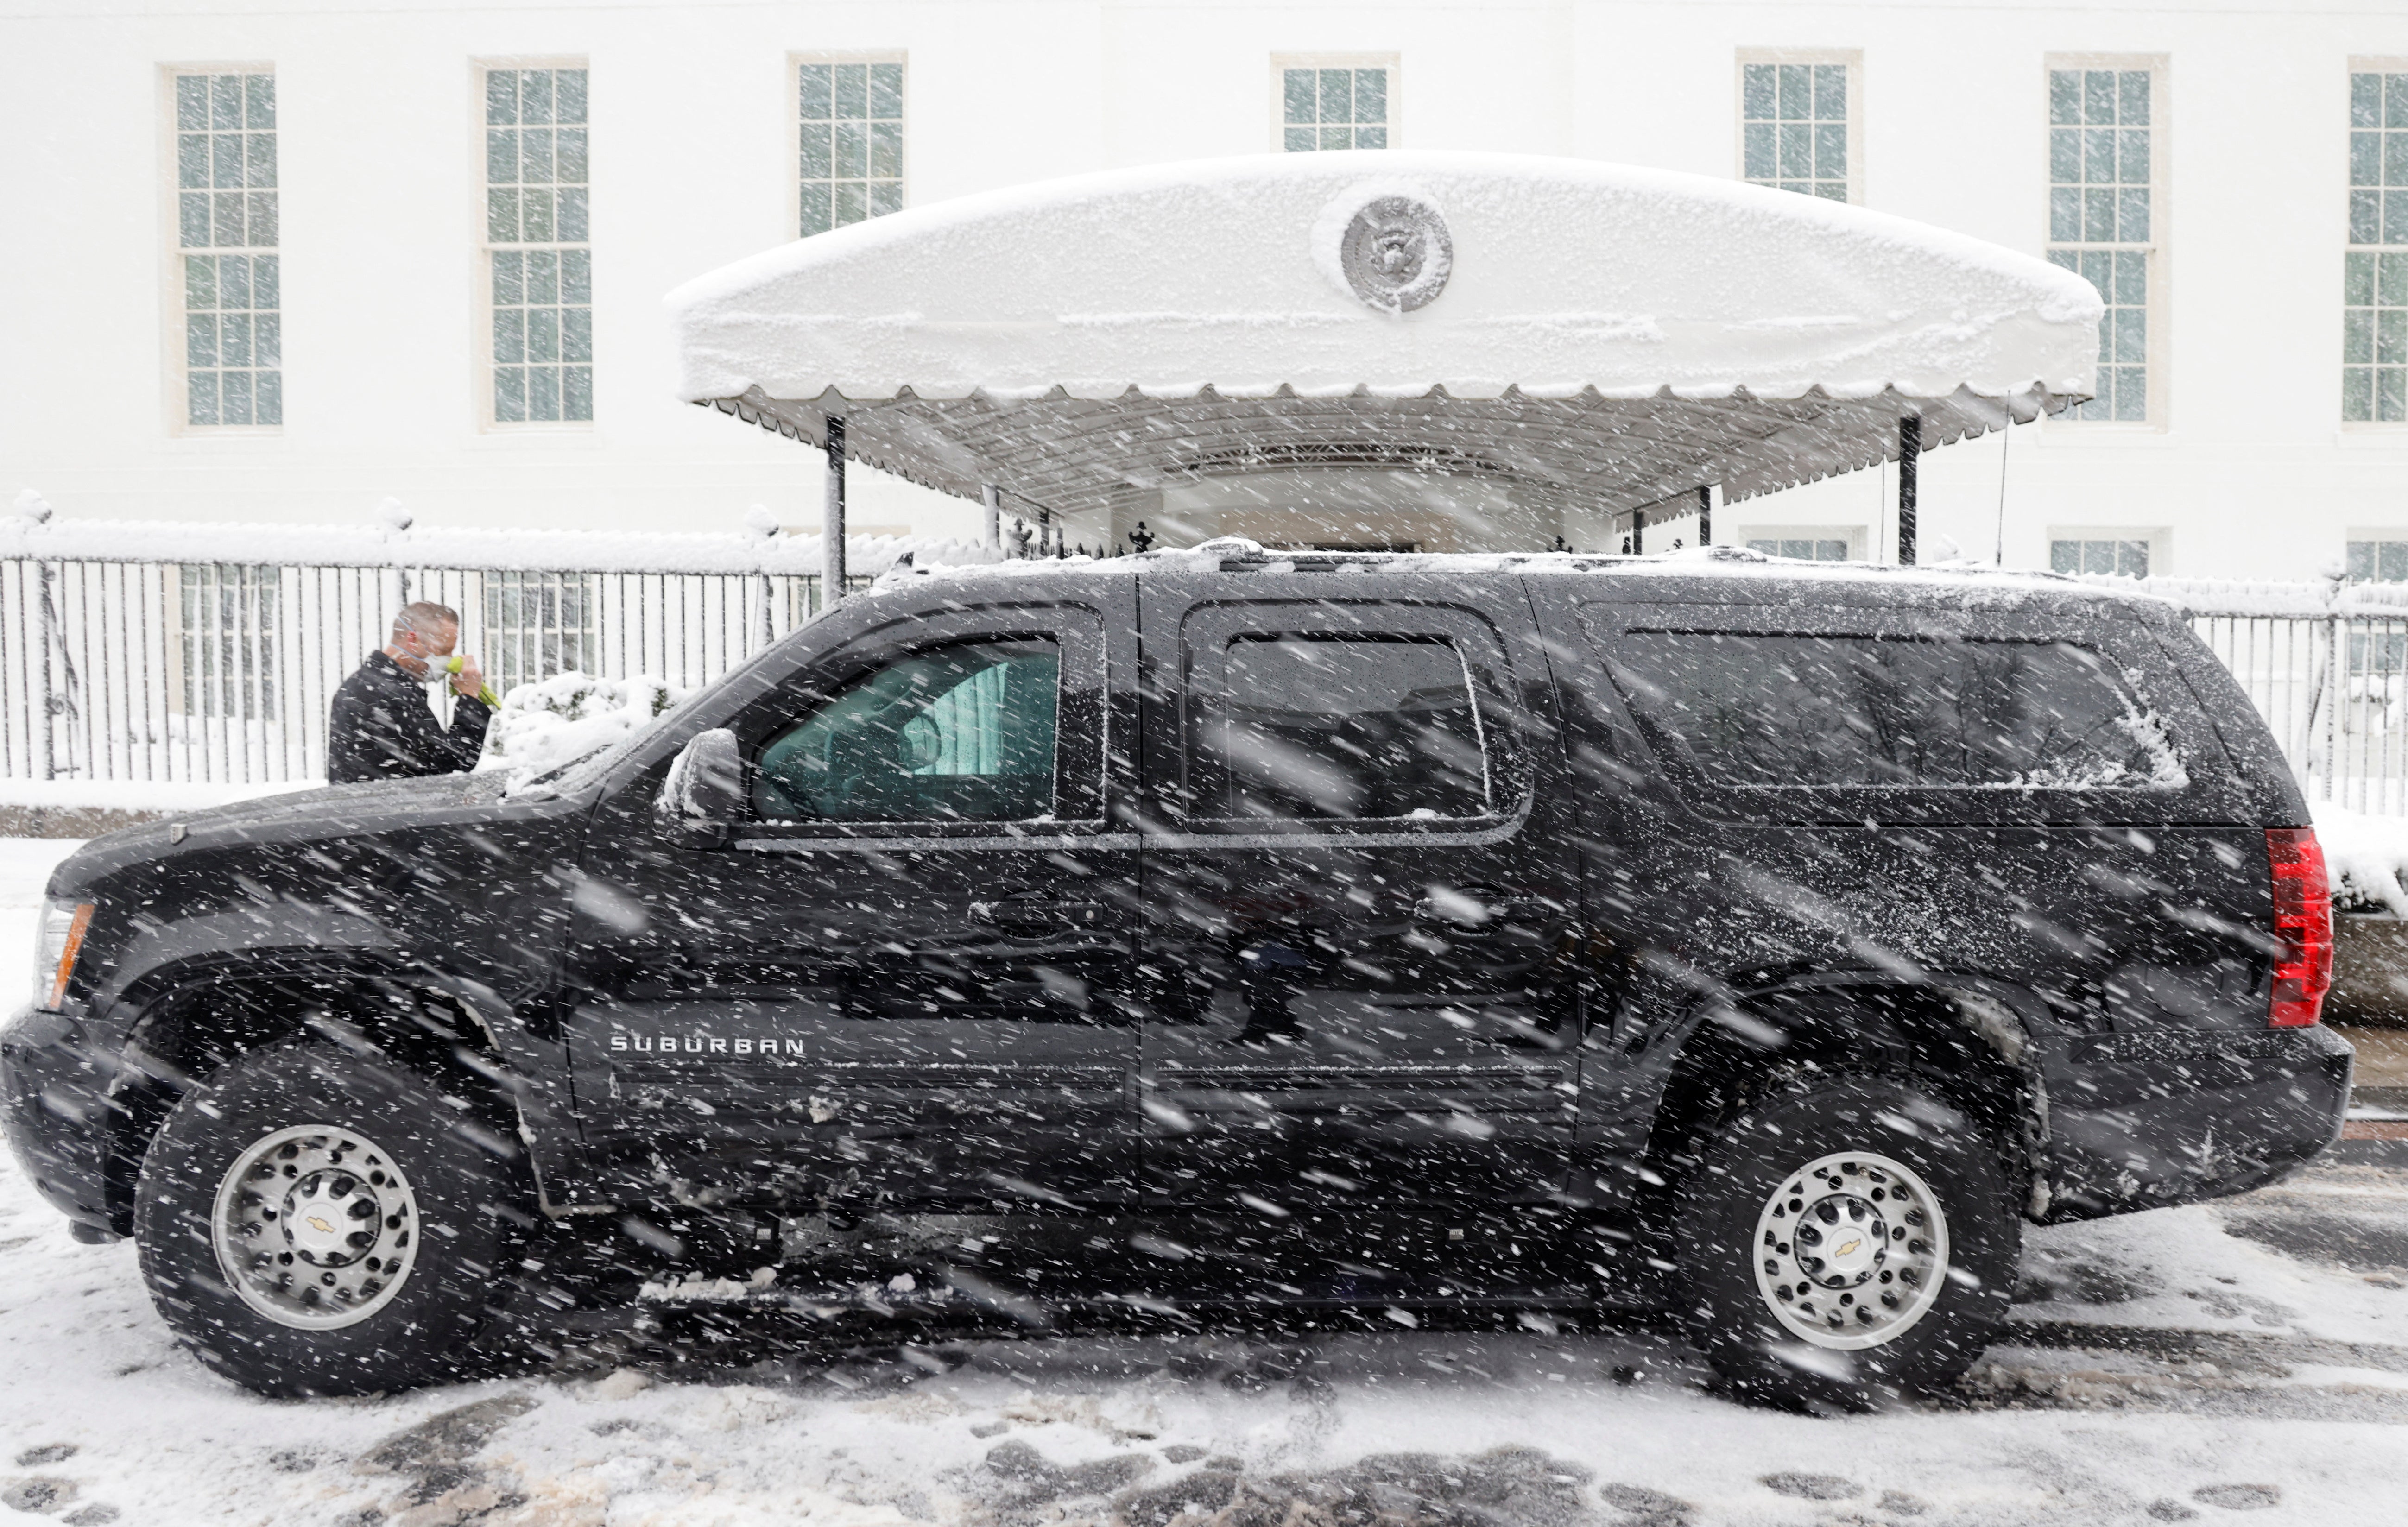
column 1602, row 335
column 1965, row 585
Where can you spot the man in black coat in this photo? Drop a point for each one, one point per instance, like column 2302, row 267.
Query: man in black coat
column 382, row 728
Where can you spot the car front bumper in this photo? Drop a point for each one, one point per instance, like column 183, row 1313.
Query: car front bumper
column 55, row 1110
column 2155, row 1118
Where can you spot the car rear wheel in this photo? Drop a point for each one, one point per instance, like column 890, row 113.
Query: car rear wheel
column 1844, row 1242
column 313, row 1222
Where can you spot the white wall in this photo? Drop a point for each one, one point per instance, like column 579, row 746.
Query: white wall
column 2251, row 470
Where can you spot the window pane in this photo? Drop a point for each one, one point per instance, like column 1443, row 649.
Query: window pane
column 815, row 216
column 535, row 96
column 1759, row 92
column 963, row 734
column 2391, row 561
column 818, row 162
column 886, row 91
column 1338, row 137
column 1831, row 93
column 501, row 97
column 201, row 399
column 1302, row 139
column 1297, row 95
column 852, row 150
column 886, row 150
column 1336, row 103
column 1371, row 95
column 2064, row 96
column 576, row 392
column 2356, row 395
column 258, row 101
column 570, row 97
column 816, row 93
column 543, row 394
column 509, row 395
column 535, row 214
column 535, row 155
column 572, row 227
column 2133, row 89
column 852, row 90
column 200, row 339
column 887, row 195
column 2099, row 96
column 1778, row 713
column 226, row 102
column 268, row 406
column 501, row 216
column 1758, row 148
column 192, row 101
column 1327, row 727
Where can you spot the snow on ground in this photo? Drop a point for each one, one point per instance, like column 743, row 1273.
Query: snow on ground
column 2167, row 1366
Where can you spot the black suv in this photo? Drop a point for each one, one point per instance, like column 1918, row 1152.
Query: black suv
column 1367, row 933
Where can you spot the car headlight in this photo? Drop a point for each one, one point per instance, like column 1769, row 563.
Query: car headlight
column 56, row 943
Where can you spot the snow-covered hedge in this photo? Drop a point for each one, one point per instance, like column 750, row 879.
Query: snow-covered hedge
column 2366, row 857
column 566, row 717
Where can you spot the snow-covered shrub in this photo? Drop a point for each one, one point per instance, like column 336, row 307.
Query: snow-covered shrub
column 2367, row 858
column 566, row 717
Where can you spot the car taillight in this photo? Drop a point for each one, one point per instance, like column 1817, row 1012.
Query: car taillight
column 2303, row 927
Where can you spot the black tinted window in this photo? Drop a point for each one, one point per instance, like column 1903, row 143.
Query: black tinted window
column 1346, row 727
column 962, row 733
column 1806, row 712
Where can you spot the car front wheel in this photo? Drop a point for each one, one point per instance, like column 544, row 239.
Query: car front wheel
column 1846, row 1241
column 314, row 1221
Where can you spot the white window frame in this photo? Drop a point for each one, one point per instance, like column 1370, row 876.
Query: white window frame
column 482, row 344
column 1858, row 537
column 794, row 117
column 2159, row 538
column 2391, row 64
column 1281, row 63
column 176, row 396
column 2158, row 248
column 1852, row 58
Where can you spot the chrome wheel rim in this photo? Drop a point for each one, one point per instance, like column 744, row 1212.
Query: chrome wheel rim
column 1851, row 1251
column 315, row 1227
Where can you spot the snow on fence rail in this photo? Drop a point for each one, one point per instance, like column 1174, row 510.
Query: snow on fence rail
column 210, row 654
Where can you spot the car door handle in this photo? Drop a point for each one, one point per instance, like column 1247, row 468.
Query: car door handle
column 1478, row 909
column 1034, row 914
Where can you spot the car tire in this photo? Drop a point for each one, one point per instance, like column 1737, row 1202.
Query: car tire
column 316, row 1222
column 1845, row 1242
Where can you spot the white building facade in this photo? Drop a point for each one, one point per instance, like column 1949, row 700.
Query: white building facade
column 281, row 262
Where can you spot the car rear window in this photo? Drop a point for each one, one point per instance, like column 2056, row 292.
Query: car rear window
column 1765, row 712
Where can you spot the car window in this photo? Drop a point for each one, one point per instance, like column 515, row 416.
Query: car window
column 1794, row 712
column 1345, row 727
column 962, row 732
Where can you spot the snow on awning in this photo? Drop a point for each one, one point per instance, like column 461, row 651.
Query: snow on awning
column 1595, row 335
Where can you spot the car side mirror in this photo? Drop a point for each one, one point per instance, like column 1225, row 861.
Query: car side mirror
column 704, row 794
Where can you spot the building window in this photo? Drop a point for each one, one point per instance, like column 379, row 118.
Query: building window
column 2374, row 311
column 226, row 240
column 1333, row 107
column 2121, row 558
column 2378, row 562
column 1794, row 126
column 852, row 138
column 1806, row 549
column 541, row 264
column 2101, row 219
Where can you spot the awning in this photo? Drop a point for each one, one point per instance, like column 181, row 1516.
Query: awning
column 1587, row 338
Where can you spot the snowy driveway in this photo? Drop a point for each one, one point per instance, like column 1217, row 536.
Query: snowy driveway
column 2182, row 1364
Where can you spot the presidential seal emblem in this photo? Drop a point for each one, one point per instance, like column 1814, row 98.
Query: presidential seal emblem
column 1395, row 254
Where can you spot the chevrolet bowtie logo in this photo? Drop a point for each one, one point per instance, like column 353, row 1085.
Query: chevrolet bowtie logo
column 321, row 1226
column 1847, row 1249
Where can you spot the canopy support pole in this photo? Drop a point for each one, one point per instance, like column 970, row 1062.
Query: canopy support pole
column 1705, row 514
column 992, row 497
column 1639, row 532
column 1910, row 448
column 832, row 521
